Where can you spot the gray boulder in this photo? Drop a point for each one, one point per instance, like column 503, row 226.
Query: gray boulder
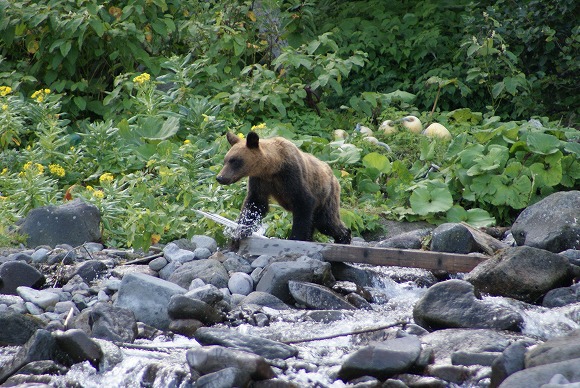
column 108, row 322
column 562, row 296
column 210, row 271
column 509, row 362
column 408, row 240
column 182, row 307
column 207, row 242
column 209, row 359
column 14, row 274
column 225, row 378
column 382, row 360
column 148, row 298
column 17, row 328
column 552, row 224
column 73, row 223
column 264, row 299
column 264, row 347
column 79, row 347
column 446, row 342
column 317, row 297
column 555, row 350
column 277, row 275
column 453, row 238
column 454, row 304
column 522, row 273
column 537, row 376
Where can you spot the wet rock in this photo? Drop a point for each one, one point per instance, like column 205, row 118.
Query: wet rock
column 554, row 350
column 186, row 327
column 317, row 297
column 348, row 272
column 111, row 323
column 471, row 358
column 17, row 328
column 277, row 275
column 448, row 341
column 14, row 274
column 408, row 240
column 201, row 253
column 41, row 346
column 358, row 301
column 148, row 298
column 210, row 359
column 42, row 298
column 74, row 223
column 382, row 360
column 40, row 255
column 241, row 283
column 510, row 361
column 552, row 224
column 456, row 374
column 264, row 347
column 453, row 238
column 77, row 344
column 225, row 378
column 265, row 299
column 158, row 263
column 453, row 304
column 112, row 355
column 182, row 307
column 562, row 296
column 210, row 271
column 522, row 273
column 537, row 376
column 207, row 242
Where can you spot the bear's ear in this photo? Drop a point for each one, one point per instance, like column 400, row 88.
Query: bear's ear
column 253, row 140
column 232, row 139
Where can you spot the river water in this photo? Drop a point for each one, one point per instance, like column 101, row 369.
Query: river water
column 318, row 361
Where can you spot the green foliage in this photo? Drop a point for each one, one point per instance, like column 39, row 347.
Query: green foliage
column 125, row 105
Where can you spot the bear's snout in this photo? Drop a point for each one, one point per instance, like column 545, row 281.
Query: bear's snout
column 222, row 180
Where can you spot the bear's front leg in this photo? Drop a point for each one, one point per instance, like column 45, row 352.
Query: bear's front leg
column 303, row 222
column 254, row 209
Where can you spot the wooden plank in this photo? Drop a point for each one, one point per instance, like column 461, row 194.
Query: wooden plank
column 450, row 262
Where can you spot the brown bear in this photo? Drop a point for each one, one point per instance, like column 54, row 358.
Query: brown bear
column 299, row 182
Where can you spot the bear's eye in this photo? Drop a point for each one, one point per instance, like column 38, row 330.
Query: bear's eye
column 236, row 163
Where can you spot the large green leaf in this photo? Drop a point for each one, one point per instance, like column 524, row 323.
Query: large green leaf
column 549, row 172
column 543, row 143
column 377, row 161
column 155, row 128
column 430, row 199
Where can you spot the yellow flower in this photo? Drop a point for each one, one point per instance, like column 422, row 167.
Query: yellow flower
column 186, row 141
column 4, row 107
column 5, row 90
column 40, row 94
column 90, row 188
column 241, row 135
column 155, row 238
column 259, row 126
column 30, row 167
column 4, row 171
column 106, row 177
column 141, row 79
column 57, row 170
column 98, row 194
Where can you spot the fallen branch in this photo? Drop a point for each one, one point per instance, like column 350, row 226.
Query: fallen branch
column 144, row 260
column 330, row 336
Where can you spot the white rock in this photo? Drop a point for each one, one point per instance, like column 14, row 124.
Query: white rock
column 241, row 283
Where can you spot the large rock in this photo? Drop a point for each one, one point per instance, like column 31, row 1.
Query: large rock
column 537, row 376
column 449, row 341
column 317, row 297
column 182, row 307
column 453, row 238
column 523, row 273
column 509, row 362
column 17, row 328
column 209, row 270
column 209, row 359
column 277, row 275
column 264, row 347
column 453, row 304
column 14, row 274
column 555, row 350
column 108, row 322
column 562, row 296
column 552, row 224
column 408, row 240
column 72, row 223
column 148, row 297
column 382, row 360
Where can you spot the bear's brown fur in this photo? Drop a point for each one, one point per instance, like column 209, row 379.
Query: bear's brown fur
column 299, row 182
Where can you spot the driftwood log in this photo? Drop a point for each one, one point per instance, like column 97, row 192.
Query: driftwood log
column 449, row 262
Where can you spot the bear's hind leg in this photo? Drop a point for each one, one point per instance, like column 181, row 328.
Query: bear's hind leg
column 332, row 226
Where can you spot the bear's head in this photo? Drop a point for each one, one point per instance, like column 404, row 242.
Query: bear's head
column 243, row 159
